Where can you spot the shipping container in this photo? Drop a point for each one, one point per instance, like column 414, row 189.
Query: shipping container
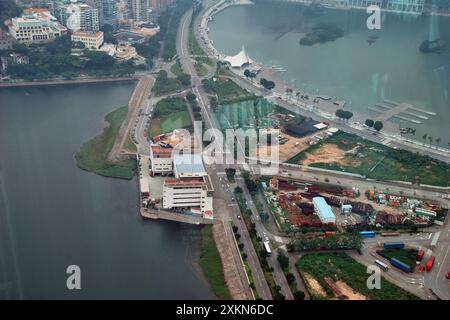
column 390, row 234
column 420, row 255
column 400, row 265
column 430, row 263
column 367, row 234
column 394, row 245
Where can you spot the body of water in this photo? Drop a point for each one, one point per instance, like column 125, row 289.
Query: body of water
column 53, row 214
column 349, row 68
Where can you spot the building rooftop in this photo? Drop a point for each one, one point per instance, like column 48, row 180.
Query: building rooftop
column 188, row 164
column 303, row 129
column 204, row 182
column 239, row 60
column 87, row 34
column 161, row 152
column 322, row 206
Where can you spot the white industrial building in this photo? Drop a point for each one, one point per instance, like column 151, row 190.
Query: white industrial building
column 323, row 210
column 161, row 160
column 191, row 193
column 191, row 188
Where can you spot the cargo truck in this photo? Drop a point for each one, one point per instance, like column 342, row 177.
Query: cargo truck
column 394, row 245
column 420, row 255
column 430, row 263
column 400, row 265
column 367, row 234
column 390, row 234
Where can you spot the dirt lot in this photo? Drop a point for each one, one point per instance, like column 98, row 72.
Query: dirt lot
column 314, row 285
column 349, row 292
column 327, row 153
column 292, row 147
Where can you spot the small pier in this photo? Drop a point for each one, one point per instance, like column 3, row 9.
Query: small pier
column 389, row 110
column 173, row 216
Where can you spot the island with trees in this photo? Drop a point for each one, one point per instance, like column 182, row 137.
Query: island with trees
column 322, row 33
column 434, row 46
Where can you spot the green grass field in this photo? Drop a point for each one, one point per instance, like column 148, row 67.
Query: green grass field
column 227, row 91
column 169, row 114
column 340, row 266
column 93, row 153
column 212, row 265
column 164, row 84
column 407, row 256
column 377, row 161
column 197, row 51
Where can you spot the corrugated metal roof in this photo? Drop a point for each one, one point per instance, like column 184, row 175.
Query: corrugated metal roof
column 188, row 163
column 322, row 206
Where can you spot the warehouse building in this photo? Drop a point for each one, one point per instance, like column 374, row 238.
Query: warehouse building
column 323, row 210
column 191, row 189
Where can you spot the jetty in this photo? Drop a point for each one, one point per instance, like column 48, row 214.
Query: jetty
column 173, row 216
column 389, row 110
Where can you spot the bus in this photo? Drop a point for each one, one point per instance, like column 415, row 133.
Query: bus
column 267, row 247
column 382, row 265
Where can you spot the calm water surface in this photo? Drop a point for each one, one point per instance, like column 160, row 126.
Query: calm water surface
column 53, row 215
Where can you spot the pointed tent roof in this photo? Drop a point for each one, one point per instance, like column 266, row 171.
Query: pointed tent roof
column 239, row 60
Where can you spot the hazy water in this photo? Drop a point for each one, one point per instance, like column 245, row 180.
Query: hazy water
column 349, row 68
column 53, row 215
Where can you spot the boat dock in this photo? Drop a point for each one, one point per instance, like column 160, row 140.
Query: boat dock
column 173, row 216
column 389, row 110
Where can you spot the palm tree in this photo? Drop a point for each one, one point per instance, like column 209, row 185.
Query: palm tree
column 431, row 140
column 297, row 95
column 438, row 140
column 424, row 137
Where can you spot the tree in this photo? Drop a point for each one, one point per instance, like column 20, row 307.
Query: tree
column 184, row 79
column 238, row 189
column 191, row 97
column 230, row 172
column 378, row 125
column 437, row 140
column 343, row 114
column 424, row 137
column 369, row 123
column 283, row 260
column 290, row 278
column 269, row 85
column 241, row 246
column 299, row 295
column 247, row 73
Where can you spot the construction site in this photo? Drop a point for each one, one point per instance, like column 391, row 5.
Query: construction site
column 296, row 205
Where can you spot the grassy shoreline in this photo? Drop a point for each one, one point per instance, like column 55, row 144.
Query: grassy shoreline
column 93, row 154
column 212, row 265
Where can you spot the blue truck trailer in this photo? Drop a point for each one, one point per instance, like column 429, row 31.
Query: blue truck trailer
column 367, row 234
column 394, row 245
column 402, row 266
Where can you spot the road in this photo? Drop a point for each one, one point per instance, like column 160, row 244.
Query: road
column 278, row 274
column 227, row 212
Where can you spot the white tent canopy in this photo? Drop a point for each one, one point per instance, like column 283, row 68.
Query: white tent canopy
column 240, row 60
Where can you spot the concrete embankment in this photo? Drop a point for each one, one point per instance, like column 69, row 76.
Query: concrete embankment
column 65, row 82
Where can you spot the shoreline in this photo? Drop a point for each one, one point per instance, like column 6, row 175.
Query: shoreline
column 65, row 82
column 390, row 137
